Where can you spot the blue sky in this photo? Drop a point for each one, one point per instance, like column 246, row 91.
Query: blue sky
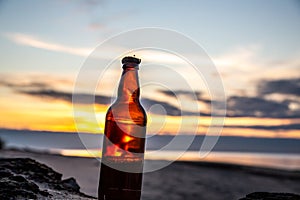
column 218, row 26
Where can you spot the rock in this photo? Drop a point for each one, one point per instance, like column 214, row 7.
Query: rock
column 271, row 196
column 16, row 186
column 24, row 178
column 70, row 184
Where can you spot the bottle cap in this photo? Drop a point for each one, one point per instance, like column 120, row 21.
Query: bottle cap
column 130, row 59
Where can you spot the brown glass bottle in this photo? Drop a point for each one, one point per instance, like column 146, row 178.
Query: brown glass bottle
column 124, row 141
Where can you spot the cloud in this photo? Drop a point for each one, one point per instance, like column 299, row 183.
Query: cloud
column 24, row 85
column 170, row 109
column 174, row 93
column 275, row 127
column 103, row 22
column 281, row 86
column 105, row 100
column 96, row 26
column 145, row 55
column 247, row 64
column 43, row 90
column 32, row 41
column 90, row 4
column 238, row 106
column 243, row 57
column 67, row 96
column 258, row 106
column 189, row 94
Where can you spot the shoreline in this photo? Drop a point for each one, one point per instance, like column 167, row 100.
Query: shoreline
column 214, row 162
column 224, row 165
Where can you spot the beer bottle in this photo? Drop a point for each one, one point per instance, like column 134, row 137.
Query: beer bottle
column 124, row 140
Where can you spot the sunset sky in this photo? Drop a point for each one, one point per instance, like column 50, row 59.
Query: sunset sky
column 255, row 46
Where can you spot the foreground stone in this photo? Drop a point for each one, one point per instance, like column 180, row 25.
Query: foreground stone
column 271, row 196
column 24, row 178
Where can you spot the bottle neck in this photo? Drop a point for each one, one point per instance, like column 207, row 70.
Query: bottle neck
column 129, row 88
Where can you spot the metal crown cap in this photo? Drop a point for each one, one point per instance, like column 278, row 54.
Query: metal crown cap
column 131, row 59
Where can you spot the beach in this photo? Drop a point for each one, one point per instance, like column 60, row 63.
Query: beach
column 180, row 180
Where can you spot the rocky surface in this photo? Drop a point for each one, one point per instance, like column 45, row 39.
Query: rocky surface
column 271, row 196
column 24, row 178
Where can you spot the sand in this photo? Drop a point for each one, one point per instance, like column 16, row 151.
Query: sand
column 180, row 180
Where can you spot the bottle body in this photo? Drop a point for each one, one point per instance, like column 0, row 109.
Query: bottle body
column 124, row 143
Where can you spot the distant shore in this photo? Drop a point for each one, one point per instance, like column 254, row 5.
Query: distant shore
column 180, row 180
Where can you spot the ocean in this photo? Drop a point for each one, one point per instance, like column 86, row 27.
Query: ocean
column 281, row 153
